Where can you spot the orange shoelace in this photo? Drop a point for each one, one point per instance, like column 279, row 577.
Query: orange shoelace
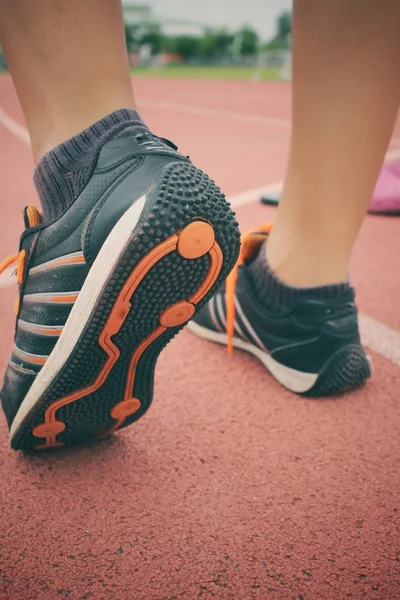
column 19, row 259
column 32, row 219
column 251, row 242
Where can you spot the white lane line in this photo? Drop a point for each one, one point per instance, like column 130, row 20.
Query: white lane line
column 254, row 195
column 14, row 127
column 250, row 196
column 375, row 335
column 230, row 115
column 22, row 134
column 217, row 114
column 380, row 338
column 7, row 279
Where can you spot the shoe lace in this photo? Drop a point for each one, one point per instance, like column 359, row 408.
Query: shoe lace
column 250, row 244
column 19, row 260
column 32, row 219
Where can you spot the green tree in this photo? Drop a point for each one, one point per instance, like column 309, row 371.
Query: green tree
column 215, row 45
column 223, row 43
column 131, row 42
column 187, row 46
column 152, row 36
column 284, row 25
column 169, row 45
column 283, row 30
column 207, row 46
column 249, row 44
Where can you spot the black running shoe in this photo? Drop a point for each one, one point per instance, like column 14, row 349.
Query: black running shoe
column 312, row 349
column 105, row 287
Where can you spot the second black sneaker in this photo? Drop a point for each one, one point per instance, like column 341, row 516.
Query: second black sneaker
column 312, row 348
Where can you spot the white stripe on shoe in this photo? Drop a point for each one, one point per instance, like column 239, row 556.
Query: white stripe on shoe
column 38, row 329
column 50, row 298
column 36, row 359
column 240, row 331
column 68, row 260
column 246, row 323
column 213, row 315
column 221, row 314
column 295, row 381
column 221, row 311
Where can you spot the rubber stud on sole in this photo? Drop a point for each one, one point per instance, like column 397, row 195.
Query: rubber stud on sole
column 48, row 429
column 177, row 314
column 195, row 240
column 125, row 408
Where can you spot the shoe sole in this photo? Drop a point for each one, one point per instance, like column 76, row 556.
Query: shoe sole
column 347, row 369
column 161, row 262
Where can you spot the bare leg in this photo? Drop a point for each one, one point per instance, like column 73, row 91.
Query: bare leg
column 69, row 64
column 346, row 93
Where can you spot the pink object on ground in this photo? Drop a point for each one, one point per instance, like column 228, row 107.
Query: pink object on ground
column 386, row 196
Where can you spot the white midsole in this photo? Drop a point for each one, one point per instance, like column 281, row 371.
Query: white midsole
column 295, row 381
column 102, row 268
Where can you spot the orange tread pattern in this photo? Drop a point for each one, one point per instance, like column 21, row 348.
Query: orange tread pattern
column 120, row 311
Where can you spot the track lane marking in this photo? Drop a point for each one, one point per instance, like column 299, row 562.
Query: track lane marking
column 380, row 338
column 217, row 113
column 14, row 127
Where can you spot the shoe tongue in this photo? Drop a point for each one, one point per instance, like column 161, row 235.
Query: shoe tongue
column 32, row 216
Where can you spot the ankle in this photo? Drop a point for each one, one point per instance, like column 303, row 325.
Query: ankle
column 302, row 263
column 61, row 126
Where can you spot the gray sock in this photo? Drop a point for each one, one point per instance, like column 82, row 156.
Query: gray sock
column 62, row 173
column 276, row 295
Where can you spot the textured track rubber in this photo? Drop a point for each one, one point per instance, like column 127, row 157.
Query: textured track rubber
column 183, row 247
column 347, row 369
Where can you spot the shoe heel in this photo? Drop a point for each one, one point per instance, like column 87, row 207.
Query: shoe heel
column 347, row 369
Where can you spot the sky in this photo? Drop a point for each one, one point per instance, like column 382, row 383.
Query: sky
column 260, row 14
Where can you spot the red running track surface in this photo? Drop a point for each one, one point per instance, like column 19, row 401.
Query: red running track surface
column 230, row 487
